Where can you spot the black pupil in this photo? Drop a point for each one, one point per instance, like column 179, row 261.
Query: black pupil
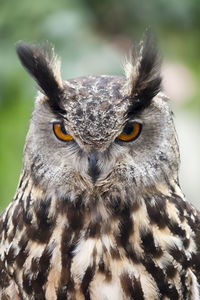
column 128, row 129
column 63, row 128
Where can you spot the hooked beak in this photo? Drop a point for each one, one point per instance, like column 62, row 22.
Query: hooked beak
column 93, row 169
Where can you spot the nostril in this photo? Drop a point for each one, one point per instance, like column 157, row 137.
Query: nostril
column 93, row 170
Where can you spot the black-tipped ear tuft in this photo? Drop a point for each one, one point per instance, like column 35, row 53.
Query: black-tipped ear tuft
column 41, row 63
column 143, row 72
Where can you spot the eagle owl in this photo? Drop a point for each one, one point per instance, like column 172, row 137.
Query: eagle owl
column 98, row 213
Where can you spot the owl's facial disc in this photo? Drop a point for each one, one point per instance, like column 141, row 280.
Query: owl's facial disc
column 93, row 124
column 95, row 159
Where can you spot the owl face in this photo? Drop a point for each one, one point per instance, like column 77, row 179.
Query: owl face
column 98, row 131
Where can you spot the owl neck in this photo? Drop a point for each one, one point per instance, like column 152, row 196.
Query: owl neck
column 96, row 213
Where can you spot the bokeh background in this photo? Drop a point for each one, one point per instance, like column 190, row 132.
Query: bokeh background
column 93, row 37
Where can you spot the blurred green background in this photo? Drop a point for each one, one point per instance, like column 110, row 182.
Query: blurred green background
column 93, row 37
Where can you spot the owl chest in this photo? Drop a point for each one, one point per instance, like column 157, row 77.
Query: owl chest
column 81, row 255
column 78, row 265
column 96, row 270
column 99, row 262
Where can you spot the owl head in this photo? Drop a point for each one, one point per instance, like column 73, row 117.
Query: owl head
column 96, row 132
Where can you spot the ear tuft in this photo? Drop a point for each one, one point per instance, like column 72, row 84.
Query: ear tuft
column 143, row 72
column 42, row 64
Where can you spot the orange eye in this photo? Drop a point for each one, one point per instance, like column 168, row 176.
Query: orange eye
column 60, row 132
column 130, row 132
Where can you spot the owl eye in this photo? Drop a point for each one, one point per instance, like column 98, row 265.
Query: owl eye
column 130, row 132
column 61, row 133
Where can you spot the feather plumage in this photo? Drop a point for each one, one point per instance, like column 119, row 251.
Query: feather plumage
column 95, row 217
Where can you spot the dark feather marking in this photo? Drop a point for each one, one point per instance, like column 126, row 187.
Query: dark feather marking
column 17, row 220
column 27, row 216
column 62, row 293
column 1, row 225
column 184, row 289
column 173, row 293
column 35, row 264
column 22, row 180
column 4, row 278
column 34, row 163
column 179, row 204
column 194, row 222
column 157, row 214
column 180, row 257
column 138, row 293
column 68, row 244
column 127, row 285
column 69, row 241
column 42, row 212
column 185, row 207
column 101, row 265
column 64, row 290
column 37, row 62
column 195, row 262
column 87, row 278
column 27, row 284
column 94, row 229
column 10, row 256
column 148, row 244
column 170, row 270
column 157, row 273
column 42, row 230
column 75, row 213
column 150, row 61
column 115, row 205
column 16, row 214
column 5, row 224
column 16, row 195
column 114, row 252
column 176, row 229
column 104, row 269
column 157, row 210
column 131, row 287
column 197, row 234
column 38, row 291
column 25, row 186
column 23, row 254
column 62, row 205
column 44, row 267
column 126, row 226
column 28, row 202
column 23, row 242
column 35, row 166
column 131, row 254
column 186, row 243
column 148, row 82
